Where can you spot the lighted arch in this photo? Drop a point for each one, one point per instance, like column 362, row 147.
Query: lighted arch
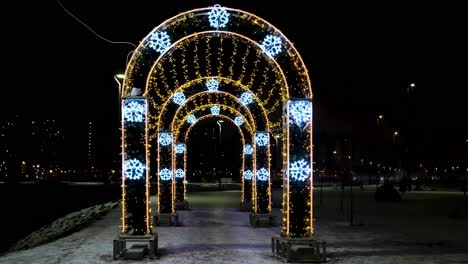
column 225, row 80
column 256, row 24
column 224, row 117
column 189, row 38
column 232, row 97
column 232, row 110
column 297, row 220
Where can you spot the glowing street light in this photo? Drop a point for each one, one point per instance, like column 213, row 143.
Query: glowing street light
column 120, row 76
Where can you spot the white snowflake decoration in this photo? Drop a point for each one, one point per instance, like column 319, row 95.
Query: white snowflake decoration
column 300, row 112
column 134, row 111
column 271, row 45
column 299, row 170
column 191, row 119
column 179, row 148
column 246, row 98
column 165, row 174
column 159, row 41
column 178, row 98
column 262, row 174
column 134, row 169
column 238, row 120
column 215, row 110
column 248, row 175
column 212, row 85
column 248, row 149
column 218, row 16
column 179, row 173
column 165, row 138
column 261, row 139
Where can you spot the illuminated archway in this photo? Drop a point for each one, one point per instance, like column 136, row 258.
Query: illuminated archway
column 254, row 54
column 247, row 132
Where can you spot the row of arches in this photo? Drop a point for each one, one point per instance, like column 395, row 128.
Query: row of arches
column 200, row 64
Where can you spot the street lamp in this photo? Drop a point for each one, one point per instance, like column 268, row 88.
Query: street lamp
column 118, row 77
column 395, row 134
column 219, row 123
column 379, row 118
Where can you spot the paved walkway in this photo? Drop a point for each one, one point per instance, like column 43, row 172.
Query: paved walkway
column 222, row 235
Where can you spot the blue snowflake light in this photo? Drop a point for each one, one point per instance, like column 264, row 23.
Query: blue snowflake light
column 165, row 138
column 215, row 110
column 134, row 169
column 300, row 112
column 299, row 170
column 191, row 119
column 248, row 149
column 263, row 174
column 246, row 98
column 212, row 85
column 238, row 120
column 261, row 139
column 165, row 174
column 179, row 173
column 248, row 175
column 134, row 110
column 178, row 98
column 271, row 45
column 159, row 41
column 218, row 16
column 179, row 148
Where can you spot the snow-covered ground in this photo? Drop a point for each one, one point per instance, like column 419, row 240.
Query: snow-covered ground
column 222, row 235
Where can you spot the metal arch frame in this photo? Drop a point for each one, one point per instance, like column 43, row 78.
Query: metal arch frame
column 224, row 117
column 229, row 81
column 223, row 93
column 299, row 70
column 188, row 39
column 290, row 49
column 202, row 108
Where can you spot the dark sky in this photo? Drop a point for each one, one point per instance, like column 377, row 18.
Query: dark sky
column 361, row 58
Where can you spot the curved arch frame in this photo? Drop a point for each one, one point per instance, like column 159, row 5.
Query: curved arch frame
column 229, row 81
column 243, row 140
column 291, row 126
column 202, row 108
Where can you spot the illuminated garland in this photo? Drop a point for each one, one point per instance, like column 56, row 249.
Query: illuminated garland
column 213, row 82
column 227, row 110
column 290, row 74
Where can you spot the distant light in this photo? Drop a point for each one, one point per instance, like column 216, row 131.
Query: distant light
column 412, row 84
column 396, row 133
column 380, row 116
column 334, row 152
column 120, row 76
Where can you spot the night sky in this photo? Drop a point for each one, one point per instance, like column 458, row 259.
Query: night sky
column 361, row 59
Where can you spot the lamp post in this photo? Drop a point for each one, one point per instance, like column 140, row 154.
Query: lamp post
column 220, row 134
column 119, row 77
column 219, row 122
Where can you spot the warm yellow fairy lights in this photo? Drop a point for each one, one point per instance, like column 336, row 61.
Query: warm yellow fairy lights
column 159, row 78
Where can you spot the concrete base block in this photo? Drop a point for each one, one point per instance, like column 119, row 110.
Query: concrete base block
column 181, row 205
column 261, row 220
column 137, row 251
column 304, row 250
column 246, row 206
column 166, row 219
